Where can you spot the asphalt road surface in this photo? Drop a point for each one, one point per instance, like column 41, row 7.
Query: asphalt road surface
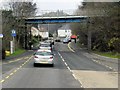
column 64, row 74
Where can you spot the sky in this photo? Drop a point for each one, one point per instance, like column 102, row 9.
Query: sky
column 53, row 5
column 57, row 4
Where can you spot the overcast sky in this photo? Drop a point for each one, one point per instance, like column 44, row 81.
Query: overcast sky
column 67, row 5
column 53, row 5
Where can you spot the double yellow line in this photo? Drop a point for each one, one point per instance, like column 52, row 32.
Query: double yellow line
column 70, row 47
column 14, row 71
column 15, row 60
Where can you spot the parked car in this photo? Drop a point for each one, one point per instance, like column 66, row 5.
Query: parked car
column 43, row 57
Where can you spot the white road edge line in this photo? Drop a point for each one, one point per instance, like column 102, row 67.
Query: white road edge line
column 104, row 65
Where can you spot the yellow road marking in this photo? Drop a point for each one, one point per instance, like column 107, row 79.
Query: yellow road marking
column 70, row 47
column 7, row 77
column 11, row 73
column 2, row 81
column 14, row 71
column 18, row 68
column 15, row 60
column 26, row 57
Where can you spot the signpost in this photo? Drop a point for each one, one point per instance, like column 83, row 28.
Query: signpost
column 1, row 35
column 12, row 43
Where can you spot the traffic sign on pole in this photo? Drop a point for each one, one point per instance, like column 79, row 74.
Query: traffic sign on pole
column 1, row 35
column 13, row 33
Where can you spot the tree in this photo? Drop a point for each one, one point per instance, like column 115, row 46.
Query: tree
column 21, row 10
column 103, row 23
column 7, row 25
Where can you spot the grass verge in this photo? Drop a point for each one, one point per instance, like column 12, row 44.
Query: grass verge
column 18, row 52
column 108, row 54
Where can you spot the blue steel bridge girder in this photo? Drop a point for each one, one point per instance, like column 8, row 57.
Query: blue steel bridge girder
column 45, row 20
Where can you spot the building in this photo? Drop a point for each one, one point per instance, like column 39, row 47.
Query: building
column 41, row 31
column 64, row 31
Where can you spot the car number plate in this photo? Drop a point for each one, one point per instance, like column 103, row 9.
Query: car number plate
column 43, row 62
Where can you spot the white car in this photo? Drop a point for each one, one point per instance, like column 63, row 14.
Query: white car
column 45, row 46
column 40, row 50
column 43, row 57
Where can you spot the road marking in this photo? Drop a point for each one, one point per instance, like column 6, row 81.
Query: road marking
column 2, row 81
column 74, row 76
column 15, row 60
column 7, row 77
column 70, row 47
column 104, row 65
column 26, row 57
column 66, row 64
column 63, row 60
column 11, row 74
column 18, row 68
column 70, row 70
column 110, row 67
column 15, row 71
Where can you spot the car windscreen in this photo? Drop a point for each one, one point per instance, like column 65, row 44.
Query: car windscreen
column 44, row 53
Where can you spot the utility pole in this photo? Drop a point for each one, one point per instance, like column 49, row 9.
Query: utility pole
column 25, row 36
column 89, row 35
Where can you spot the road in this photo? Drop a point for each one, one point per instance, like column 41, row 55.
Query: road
column 71, row 70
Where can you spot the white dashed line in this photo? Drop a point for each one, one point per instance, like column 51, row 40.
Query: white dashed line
column 66, row 64
column 70, row 70
column 63, row 60
column 110, row 67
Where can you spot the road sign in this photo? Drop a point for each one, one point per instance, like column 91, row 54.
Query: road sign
column 1, row 35
column 13, row 33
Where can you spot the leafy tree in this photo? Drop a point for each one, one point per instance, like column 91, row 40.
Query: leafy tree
column 19, row 11
column 7, row 25
column 103, row 23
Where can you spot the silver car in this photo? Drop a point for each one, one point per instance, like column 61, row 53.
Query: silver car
column 65, row 40
column 43, row 57
column 45, row 46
